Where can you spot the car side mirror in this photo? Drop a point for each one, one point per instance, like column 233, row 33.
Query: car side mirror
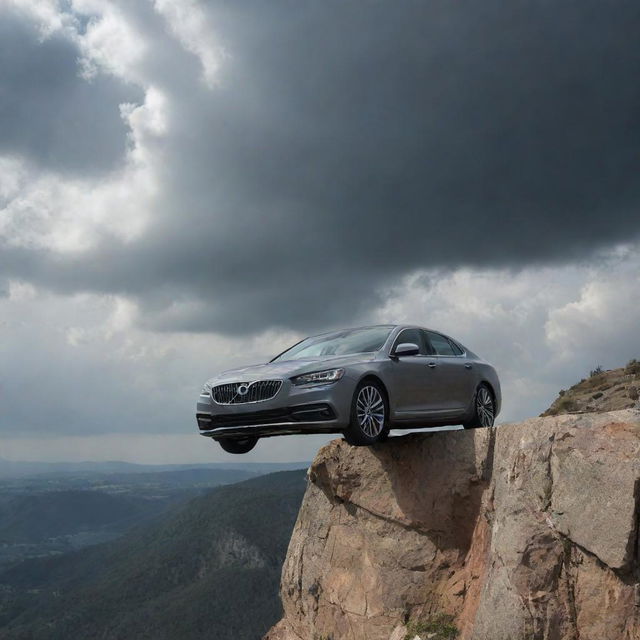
column 406, row 349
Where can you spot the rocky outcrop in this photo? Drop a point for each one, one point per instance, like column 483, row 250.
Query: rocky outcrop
column 528, row 531
column 609, row 390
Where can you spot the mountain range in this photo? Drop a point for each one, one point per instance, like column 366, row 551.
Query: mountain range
column 24, row 468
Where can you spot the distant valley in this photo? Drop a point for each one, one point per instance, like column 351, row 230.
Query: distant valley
column 47, row 509
column 208, row 568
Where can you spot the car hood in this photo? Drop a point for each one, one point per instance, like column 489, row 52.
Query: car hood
column 288, row 368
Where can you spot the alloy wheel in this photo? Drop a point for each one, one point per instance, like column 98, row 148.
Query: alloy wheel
column 484, row 407
column 370, row 411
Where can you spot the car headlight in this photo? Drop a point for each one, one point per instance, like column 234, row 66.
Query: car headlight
column 319, row 377
column 206, row 390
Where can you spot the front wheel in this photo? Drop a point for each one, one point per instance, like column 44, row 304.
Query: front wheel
column 238, row 445
column 369, row 415
column 484, row 409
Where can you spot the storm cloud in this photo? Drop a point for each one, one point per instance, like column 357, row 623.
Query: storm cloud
column 344, row 144
column 49, row 114
column 188, row 186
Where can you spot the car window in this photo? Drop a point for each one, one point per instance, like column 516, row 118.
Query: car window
column 429, row 350
column 441, row 345
column 413, row 336
column 456, row 349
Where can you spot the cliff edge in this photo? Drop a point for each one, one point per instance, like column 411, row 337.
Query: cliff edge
column 526, row 531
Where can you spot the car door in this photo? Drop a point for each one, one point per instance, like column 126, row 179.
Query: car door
column 455, row 374
column 408, row 377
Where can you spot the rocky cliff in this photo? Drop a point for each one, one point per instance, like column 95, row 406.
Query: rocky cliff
column 527, row 531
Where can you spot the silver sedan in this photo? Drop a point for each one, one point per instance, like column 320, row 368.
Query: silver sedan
column 359, row 382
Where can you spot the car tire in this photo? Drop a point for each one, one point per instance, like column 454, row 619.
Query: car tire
column 369, row 415
column 238, row 445
column 484, row 409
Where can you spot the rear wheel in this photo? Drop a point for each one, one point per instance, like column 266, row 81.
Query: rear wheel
column 238, row 445
column 484, row 409
column 369, row 415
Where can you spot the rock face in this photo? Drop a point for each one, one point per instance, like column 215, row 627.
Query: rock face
column 528, row 531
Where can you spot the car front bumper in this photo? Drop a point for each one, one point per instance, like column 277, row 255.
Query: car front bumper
column 293, row 410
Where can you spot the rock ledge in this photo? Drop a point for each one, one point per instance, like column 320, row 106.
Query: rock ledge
column 527, row 531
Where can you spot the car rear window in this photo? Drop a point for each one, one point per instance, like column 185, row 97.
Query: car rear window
column 441, row 345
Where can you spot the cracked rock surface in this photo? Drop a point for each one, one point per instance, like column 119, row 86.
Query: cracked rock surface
column 528, row 531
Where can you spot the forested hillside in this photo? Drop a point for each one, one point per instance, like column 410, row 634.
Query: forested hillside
column 210, row 569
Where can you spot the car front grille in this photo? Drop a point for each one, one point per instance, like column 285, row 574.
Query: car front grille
column 243, row 392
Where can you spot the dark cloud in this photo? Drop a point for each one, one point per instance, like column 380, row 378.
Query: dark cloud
column 49, row 114
column 348, row 143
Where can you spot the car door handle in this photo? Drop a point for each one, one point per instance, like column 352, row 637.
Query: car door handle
column 468, row 365
column 432, row 365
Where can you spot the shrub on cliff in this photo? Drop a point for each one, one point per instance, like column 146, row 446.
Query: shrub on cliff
column 439, row 627
column 633, row 367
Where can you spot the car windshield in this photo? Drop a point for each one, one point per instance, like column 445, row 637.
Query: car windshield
column 339, row 343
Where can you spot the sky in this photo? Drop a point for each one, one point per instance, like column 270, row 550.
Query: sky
column 188, row 186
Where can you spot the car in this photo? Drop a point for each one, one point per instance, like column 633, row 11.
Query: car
column 360, row 382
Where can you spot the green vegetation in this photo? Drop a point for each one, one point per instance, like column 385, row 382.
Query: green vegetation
column 53, row 513
column 34, row 517
column 209, row 569
column 633, row 367
column 596, row 372
column 438, row 627
column 565, row 404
